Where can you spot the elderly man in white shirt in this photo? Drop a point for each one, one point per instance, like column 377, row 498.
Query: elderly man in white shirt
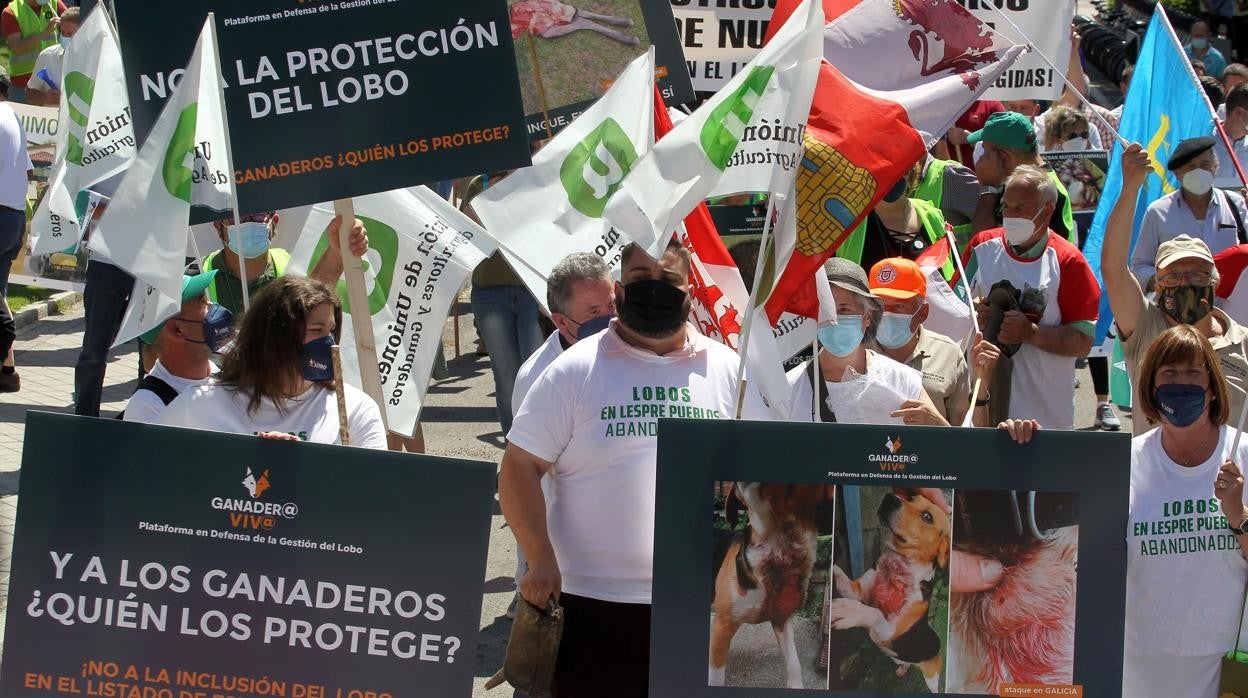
column 1197, row 209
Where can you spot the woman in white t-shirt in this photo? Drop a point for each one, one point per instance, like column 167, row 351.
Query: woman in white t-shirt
column 277, row 381
column 859, row 386
column 1186, row 571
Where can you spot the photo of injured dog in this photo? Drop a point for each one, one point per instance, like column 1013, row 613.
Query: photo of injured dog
column 888, row 616
column 770, row 571
column 1021, row 631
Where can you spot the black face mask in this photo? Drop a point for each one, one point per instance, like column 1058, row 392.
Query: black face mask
column 653, row 308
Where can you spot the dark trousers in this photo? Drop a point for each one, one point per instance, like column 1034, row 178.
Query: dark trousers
column 12, row 230
column 104, row 302
column 605, row 650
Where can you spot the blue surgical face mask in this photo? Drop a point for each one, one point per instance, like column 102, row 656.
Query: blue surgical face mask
column 316, row 359
column 894, row 330
column 844, row 337
column 1200, row 43
column 248, row 240
column 1180, row 404
column 65, row 42
column 593, row 326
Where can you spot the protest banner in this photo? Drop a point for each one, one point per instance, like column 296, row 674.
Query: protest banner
column 738, row 219
column 845, row 495
column 182, row 563
column 569, row 53
column 1045, row 26
column 422, row 251
column 718, row 39
column 1083, row 174
column 329, row 100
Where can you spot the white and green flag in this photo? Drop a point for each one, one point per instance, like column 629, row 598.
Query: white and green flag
column 542, row 213
column 95, row 139
column 686, row 165
column 422, row 251
column 144, row 229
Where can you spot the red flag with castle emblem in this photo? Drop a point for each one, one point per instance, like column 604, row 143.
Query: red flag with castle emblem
column 719, row 295
column 862, row 135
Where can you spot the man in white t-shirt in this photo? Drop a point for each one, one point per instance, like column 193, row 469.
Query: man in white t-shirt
column 184, row 345
column 1046, row 316
column 15, row 171
column 50, row 65
column 590, row 423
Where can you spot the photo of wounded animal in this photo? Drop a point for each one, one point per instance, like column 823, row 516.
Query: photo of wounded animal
column 1022, row 630
column 888, row 616
column 770, row 570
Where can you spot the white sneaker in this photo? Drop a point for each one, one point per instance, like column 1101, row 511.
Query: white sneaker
column 1107, row 418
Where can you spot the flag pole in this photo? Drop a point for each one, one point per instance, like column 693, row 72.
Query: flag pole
column 968, row 420
column 1031, row 46
column 816, row 378
column 748, row 323
column 361, row 318
column 229, row 155
column 541, row 88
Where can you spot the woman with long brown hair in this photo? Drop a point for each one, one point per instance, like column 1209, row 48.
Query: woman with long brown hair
column 277, row 381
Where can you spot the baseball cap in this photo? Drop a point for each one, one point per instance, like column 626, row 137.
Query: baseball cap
column 1008, row 130
column 1182, row 247
column 898, row 278
column 848, row 275
column 192, row 287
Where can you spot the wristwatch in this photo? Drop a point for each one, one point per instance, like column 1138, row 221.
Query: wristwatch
column 985, row 190
column 1241, row 529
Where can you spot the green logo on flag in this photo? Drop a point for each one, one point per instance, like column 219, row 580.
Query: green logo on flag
column 79, row 89
column 594, row 169
column 177, row 174
column 724, row 127
column 384, row 241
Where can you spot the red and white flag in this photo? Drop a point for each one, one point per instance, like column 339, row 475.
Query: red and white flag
column 863, row 130
column 1231, row 263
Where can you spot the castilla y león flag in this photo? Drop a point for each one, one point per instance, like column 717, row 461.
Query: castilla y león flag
column 892, row 69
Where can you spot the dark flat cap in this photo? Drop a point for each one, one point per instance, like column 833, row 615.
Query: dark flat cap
column 1188, row 150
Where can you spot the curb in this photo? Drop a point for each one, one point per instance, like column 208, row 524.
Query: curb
column 57, row 304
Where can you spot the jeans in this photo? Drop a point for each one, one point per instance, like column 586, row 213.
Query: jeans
column 12, row 230
column 104, row 301
column 507, row 318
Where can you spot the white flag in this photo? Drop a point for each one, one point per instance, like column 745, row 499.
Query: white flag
column 183, row 161
column 687, row 164
column 95, row 139
column 543, row 213
column 422, row 250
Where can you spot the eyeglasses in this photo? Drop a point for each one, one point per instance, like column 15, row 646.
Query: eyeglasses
column 255, row 218
column 1176, row 278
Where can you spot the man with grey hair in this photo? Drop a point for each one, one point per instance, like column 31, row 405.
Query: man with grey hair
column 1036, row 298
column 1197, row 209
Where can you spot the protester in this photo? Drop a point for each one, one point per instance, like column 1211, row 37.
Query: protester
column 1183, row 599
column 15, row 171
column 44, row 86
column 972, row 120
column 1066, row 129
column 506, row 314
column 858, row 385
column 1100, row 120
column 1198, row 48
column 1196, row 209
column 104, row 300
column 952, row 188
column 898, row 226
column 1234, row 75
column 1009, row 143
column 184, row 345
column 588, row 424
column 1124, row 84
column 902, row 289
column 251, row 238
column 1235, row 123
column 1213, row 90
column 1036, row 298
column 1186, row 279
column 277, row 381
column 29, row 27
column 1198, row 67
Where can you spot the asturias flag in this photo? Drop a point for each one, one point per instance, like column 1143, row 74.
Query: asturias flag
column 1164, row 107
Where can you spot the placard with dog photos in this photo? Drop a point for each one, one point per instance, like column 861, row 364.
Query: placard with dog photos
column 829, row 546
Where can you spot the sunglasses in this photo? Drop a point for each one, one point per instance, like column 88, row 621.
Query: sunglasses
column 1078, row 134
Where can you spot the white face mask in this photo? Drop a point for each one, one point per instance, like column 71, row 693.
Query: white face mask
column 1075, row 144
column 64, row 42
column 1198, row 181
column 1019, row 230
